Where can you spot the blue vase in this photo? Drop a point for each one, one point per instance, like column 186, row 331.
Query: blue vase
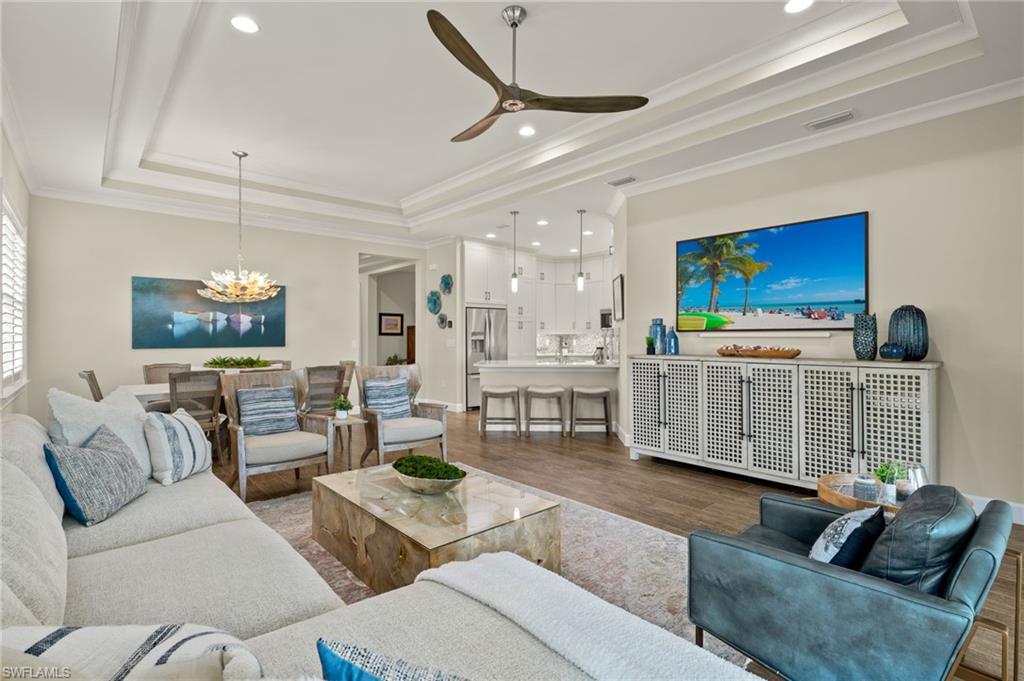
column 892, row 352
column 657, row 331
column 908, row 328
column 671, row 342
column 865, row 336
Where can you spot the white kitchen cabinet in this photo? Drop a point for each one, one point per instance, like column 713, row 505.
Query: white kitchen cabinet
column 499, row 272
column 582, row 320
column 522, row 339
column 565, row 271
column 526, row 265
column 545, row 270
column 523, row 303
column 593, row 268
column 790, row 421
column 547, row 319
column 565, row 307
column 475, row 283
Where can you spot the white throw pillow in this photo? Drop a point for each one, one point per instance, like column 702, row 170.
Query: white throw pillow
column 168, row 651
column 73, row 419
column 177, row 446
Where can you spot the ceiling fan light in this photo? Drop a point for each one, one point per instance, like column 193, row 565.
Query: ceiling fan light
column 796, row 6
column 527, row 131
column 245, row 24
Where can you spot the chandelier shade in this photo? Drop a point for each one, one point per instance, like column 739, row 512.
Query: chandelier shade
column 241, row 285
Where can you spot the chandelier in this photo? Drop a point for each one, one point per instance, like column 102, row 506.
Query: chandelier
column 241, row 285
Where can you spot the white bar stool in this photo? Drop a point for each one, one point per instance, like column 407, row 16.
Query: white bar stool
column 545, row 392
column 499, row 392
column 604, row 394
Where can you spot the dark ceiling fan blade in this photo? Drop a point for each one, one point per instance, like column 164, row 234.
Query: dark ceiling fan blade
column 481, row 125
column 463, row 51
column 608, row 104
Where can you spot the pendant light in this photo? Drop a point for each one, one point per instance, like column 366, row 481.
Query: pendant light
column 514, row 281
column 579, row 275
column 241, row 286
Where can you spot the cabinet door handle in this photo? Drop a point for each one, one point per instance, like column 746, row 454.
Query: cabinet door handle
column 863, row 420
column 852, row 448
column 664, row 399
column 750, row 409
column 743, row 415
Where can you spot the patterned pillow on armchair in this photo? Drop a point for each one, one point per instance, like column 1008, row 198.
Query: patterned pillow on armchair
column 264, row 411
column 389, row 396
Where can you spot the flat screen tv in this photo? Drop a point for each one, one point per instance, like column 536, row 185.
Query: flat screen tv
column 809, row 275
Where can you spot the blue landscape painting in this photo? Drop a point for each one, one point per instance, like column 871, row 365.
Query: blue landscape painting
column 168, row 313
column 806, row 275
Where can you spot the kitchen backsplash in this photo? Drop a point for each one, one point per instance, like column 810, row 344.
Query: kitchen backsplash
column 581, row 343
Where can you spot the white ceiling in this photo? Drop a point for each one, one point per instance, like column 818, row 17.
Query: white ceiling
column 347, row 109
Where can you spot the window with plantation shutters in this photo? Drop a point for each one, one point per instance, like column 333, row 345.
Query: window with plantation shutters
column 13, row 284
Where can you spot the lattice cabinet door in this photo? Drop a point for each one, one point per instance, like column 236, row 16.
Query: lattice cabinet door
column 828, row 425
column 772, row 419
column 724, row 414
column 647, row 429
column 682, row 408
column 897, row 418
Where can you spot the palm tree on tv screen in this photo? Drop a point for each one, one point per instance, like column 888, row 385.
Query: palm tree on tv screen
column 746, row 268
column 686, row 274
column 716, row 258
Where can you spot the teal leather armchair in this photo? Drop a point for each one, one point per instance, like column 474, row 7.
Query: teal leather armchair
column 806, row 620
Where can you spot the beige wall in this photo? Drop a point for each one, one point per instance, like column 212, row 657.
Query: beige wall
column 443, row 346
column 396, row 293
column 82, row 258
column 945, row 234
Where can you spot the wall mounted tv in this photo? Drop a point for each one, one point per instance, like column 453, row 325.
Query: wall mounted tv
column 809, row 275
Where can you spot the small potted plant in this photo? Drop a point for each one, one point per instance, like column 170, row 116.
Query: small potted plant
column 650, row 345
column 341, row 407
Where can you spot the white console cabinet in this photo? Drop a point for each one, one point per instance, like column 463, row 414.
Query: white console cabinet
column 784, row 420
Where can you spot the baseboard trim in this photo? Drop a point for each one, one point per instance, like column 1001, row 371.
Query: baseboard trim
column 622, row 434
column 452, row 406
column 981, row 502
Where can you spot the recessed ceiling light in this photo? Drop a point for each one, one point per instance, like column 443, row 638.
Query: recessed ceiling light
column 795, row 6
column 528, row 131
column 491, row 235
column 542, row 223
column 245, row 24
column 587, row 232
column 535, row 243
column 574, row 250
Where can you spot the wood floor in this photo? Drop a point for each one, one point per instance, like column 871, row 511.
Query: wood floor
column 596, row 470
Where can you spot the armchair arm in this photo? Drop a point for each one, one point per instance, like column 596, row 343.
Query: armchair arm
column 812, row 620
column 430, row 410
column 801, row 520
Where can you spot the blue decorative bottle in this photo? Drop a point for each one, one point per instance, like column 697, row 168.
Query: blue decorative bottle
column 657, row 332
column 671, row 342
column 865, row 336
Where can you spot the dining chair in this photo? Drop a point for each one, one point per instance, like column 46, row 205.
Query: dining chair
column 427, row 425
column 285, row 363
column 159, row 373
column 89, row 376
column 255, row 454
column 323, row 385
column 199, row 394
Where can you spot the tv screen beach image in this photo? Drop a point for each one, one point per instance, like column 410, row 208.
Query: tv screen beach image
column 805, row 275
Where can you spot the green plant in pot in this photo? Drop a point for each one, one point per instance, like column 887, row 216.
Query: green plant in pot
column 341, row 407
column 427, row 475
column 650, row 345
column 895, row 486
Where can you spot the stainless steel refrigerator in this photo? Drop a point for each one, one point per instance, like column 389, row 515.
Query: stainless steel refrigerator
column 486, row 338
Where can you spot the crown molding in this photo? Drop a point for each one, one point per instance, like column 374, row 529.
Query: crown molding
column 993, row 94
column 10, row 123
column 126, row 32
column 188, row 209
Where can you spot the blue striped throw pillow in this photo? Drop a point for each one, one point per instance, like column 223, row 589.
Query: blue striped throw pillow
column 389, row 396
column 347, row 662
column 264, row 411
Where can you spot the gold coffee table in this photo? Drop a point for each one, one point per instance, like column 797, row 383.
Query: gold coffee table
column 386, row 534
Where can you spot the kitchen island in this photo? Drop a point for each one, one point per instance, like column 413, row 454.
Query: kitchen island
column 572, row 372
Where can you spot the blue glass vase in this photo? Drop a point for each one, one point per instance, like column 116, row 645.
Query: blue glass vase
column 908, row 328
column 671, row 342
column 657, row 331
column 865, row 336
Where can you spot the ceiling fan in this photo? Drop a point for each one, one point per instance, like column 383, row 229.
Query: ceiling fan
column 511, row 97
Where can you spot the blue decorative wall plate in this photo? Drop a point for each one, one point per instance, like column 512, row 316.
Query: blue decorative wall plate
column 433, row 302
column 442, row 320
column 446, row 283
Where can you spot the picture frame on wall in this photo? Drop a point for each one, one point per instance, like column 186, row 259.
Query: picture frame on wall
column 390, row 324
column 618, row 298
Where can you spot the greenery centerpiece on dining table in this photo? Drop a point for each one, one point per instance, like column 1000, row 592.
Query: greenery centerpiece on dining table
column 427, row 475
column 236, row 363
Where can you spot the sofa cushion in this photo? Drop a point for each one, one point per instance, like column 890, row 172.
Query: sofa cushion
column 389, row 396
column 775, row 538
column 97, row 479
column 178, row 446
column 238, row 576
column 199, row 501
column 73, row 419
column 23, row 440
column 33, row 551
column 411, row 429
column 263, row 411
column 165, row 651
column 281, row 447
column 425, row 624
column 14, row 613
column 924, row 541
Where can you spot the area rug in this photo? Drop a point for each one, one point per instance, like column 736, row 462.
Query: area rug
column 639, row 568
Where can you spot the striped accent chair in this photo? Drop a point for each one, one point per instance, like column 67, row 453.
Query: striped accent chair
column 399, row 422
column 279, row 450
